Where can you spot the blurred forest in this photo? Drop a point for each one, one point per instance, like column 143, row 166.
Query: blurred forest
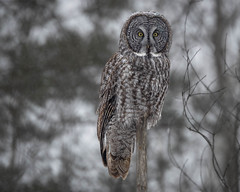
column 52, row 53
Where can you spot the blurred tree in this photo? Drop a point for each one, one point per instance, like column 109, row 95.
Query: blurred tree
column 215, row 112
column 65, row 66
column 229, row 118
column 32, row 75
column 59, row 70
column 21, row 83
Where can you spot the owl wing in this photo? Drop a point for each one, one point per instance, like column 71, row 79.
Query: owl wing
column 107, row 104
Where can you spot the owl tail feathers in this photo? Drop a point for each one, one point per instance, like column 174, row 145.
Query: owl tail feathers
column 118, row 166
column 117, row 153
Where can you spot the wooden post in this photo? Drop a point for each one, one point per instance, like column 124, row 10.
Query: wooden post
column 142, row 156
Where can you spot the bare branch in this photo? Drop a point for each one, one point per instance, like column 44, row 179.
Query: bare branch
column 175, row 163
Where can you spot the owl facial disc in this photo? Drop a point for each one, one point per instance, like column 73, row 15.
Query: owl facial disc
column 148, row 34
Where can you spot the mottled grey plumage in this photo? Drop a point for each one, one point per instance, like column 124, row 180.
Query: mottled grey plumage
column 134, row 82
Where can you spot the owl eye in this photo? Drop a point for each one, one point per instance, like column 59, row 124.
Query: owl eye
column 140, row 34
column 155, row 34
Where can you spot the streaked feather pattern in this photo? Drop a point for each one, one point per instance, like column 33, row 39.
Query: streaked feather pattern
column 132, row 85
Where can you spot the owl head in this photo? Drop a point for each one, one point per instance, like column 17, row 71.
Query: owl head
column 146, row 34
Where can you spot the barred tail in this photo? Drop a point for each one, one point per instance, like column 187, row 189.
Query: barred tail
column 119, row 163
column 118, row 166
column 117, row 145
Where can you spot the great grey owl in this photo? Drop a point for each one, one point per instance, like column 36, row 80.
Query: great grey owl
column 134, row 83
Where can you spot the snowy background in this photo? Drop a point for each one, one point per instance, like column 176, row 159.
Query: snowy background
column 52, row 55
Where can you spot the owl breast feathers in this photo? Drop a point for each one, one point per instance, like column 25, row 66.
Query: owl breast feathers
column 134, row 83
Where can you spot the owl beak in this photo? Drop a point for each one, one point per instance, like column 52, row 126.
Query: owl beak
column 148, row 50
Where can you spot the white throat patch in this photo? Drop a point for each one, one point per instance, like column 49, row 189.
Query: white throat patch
column 144, row 54
column 140, row 54
column 156, row 54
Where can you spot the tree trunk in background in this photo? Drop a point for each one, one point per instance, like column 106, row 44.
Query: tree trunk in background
column 234, row 169
column 227, row 141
